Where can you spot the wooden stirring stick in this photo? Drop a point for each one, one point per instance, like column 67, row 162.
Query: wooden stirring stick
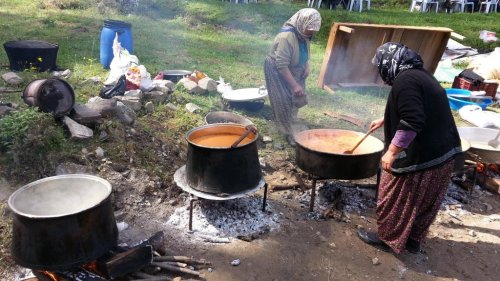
column 248, row 129
column 350, row 151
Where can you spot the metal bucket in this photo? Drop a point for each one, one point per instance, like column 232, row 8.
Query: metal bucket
column 50, row 95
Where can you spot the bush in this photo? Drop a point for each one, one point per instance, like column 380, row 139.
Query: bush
column 65, row 4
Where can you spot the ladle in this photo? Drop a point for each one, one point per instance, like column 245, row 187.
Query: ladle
column 248, row 129
column 494, row 142
column 350, row 151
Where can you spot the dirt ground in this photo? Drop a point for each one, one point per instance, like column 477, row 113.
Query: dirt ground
column 463, row 243
column 460, row 246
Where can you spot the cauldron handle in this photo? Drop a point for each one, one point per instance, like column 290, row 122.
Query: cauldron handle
column 248, row 129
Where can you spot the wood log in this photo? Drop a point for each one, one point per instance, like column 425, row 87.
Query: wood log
column 347, row 118
column 183, row 259
column 175, row 268
column 157, row 241
column 276, row 188
column 127, row 262
column 175, row 263
column 302, row 184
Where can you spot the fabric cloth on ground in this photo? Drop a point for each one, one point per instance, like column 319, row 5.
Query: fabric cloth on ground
column 407, row 205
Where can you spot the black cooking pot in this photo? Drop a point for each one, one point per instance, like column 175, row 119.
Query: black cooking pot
column 175, row 75
column 213, row 166
column 320, row 153
column 62, row 222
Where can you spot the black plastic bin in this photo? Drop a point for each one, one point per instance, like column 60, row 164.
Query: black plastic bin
column 31, row 54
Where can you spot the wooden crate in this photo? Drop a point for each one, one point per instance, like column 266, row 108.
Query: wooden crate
column 351, row 46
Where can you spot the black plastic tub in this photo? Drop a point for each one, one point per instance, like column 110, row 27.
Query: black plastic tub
column 31, row 54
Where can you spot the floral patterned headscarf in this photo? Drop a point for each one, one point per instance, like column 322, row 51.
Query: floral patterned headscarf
column 304, row 19
column 393, row 58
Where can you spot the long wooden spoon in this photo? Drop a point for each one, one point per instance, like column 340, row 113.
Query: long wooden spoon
column 248, row 129
column 350, row 151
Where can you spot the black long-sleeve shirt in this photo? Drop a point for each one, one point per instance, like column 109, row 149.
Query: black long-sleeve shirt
column 417, row 102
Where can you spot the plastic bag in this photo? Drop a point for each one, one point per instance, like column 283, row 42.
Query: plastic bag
column 122, row 61
column 118, row 89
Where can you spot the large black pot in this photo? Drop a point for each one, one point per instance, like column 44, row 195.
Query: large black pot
column 62, row 222
column 219, row 168
column 320, row 153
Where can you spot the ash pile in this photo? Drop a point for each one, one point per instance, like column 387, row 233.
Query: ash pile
column 338, row 199
column 224, row 221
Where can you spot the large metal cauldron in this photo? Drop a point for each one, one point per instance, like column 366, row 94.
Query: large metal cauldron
column 214, row 167
column 62, row 222
column 478, row 139
column 320, row 153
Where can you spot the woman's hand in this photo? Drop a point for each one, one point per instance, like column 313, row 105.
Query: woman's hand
column 297, row 90
column 389, row 157
column 375, row 124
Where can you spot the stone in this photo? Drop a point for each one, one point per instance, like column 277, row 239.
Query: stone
column 192, row 108
column 99, row 152
column 133, row 103
column 375, row 261
column 134, row 93
column 267, row 139
column 83, row 114
column 12, row 78
column 125, row 114
column 77, row 131
column 171, row 106
column 156, row 96
column 149, row 106
column 208, row 84
column 191, row 86
column 105, row 107
column 236, row 262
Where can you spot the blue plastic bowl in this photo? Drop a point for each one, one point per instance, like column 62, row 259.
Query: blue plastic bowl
column 456, row 103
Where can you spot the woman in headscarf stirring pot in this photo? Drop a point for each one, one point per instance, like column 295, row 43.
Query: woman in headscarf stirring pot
column 421, row 142
column 287, row 66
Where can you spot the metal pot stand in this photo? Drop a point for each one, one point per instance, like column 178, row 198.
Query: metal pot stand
column 180, row 180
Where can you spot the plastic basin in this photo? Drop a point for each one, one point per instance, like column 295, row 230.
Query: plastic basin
column 456, row 103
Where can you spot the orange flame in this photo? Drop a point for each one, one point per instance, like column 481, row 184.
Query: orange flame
column 51, row 275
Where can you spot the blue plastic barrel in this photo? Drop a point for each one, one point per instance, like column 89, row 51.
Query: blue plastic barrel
column 110, row 28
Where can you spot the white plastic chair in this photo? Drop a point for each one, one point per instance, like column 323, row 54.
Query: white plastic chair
column 359, row 4
column 490, row 5
column 423, row 5
column 462, row 4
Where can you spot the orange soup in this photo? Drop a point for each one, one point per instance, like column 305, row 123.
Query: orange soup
column 220, row 140
column 338, row 145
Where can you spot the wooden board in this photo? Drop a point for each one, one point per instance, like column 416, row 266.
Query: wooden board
column 351, row 46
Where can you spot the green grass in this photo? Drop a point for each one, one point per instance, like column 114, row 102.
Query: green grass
column 216, row 37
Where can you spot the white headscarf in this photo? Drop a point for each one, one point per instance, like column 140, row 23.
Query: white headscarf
column 304, row 19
